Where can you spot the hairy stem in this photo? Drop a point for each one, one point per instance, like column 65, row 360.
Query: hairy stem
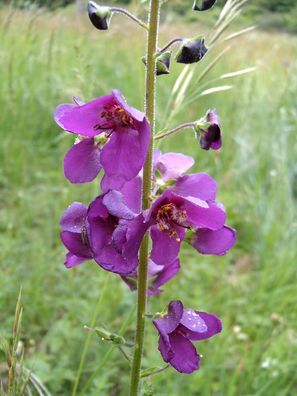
column 153, row 25
column 177, row 129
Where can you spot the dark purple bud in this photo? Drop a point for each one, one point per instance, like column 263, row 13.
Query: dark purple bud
column 162, row 64
column 203, row 5
column 99, row 15
column 191, row 51
column 210, row 130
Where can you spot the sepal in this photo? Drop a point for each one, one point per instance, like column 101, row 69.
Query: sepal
column 99, row 15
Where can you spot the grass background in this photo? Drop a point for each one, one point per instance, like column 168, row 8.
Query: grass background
column 44, row 60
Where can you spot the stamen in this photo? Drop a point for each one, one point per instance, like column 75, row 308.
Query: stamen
column 84, row 236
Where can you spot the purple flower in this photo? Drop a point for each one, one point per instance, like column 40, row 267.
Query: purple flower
column 75, row 235
column 111, row 224
column 124, row 134
column 188, row 205
column 178, row 328
column 211, row 137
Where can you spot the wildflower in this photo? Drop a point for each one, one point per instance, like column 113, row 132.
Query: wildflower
column 191, row 51
column 75, row 235
column 121, row 148
column 178, row 328
column 99, row 15
column 211, row 136
column 203, row 5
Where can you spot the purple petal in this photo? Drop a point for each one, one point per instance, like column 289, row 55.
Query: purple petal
column 212, row 322
column 173, row 165
column 125, row 153
column 61, row 110
column 136, row 230
column 73, row 219
column 185, row 359
column 132, row 194
column 199, row 185
column 97, row 209
column 131, row 190
column 134, row 113
column 113, row 201
column 75, row 245
column 168, row 323
column 154, row 269
column 166, row 274
column 201, row 214
column 112, row 261
column 82, row 162
column 214, row 242
column 82, row 119
column 73, row 261
column 165, row 249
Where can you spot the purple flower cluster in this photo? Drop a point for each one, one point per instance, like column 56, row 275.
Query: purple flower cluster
column 115, row 137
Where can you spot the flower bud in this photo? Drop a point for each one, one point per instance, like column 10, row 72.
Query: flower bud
column 162, row 64
column 203, row 5
column 99, row 15
column 210, row 131
column 191, row 51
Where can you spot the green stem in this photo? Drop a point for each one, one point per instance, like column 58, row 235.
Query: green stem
column 153, row 25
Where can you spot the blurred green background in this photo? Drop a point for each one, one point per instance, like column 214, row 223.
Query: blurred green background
column 46, row 57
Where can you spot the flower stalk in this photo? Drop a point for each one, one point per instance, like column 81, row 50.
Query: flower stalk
column 150, row 91
column 187, row 125
column 128, row 14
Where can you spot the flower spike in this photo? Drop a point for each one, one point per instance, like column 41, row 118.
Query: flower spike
column 203, row 5
column 191, row 51
column 99, row 15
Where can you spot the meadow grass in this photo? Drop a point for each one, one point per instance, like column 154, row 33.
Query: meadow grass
column 47, row 58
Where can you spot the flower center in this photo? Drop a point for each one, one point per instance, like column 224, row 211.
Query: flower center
column 168, row 217
column 113, row 116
